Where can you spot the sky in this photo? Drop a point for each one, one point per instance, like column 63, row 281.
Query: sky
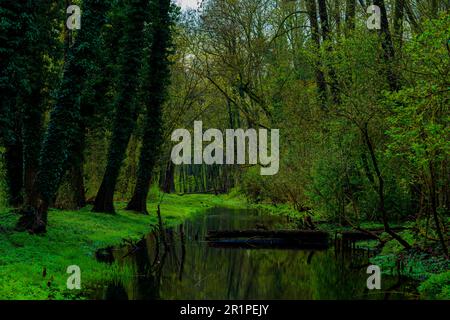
column 185, row 4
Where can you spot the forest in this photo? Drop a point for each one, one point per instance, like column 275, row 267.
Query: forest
column 360, row 97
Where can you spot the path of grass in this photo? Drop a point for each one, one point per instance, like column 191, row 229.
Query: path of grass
column 74, row 237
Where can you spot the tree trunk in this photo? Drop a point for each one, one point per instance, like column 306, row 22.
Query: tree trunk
column 63, row 128
column 434, row 9
column 32, row 135
column 158, row 76
column 126, row 104
column 434, row 209
column 324, row 20
column 14, row 173
column 387, row 227
column 168, row 185
column 350, row 11
column 388, row 47
column 399, row 12
column 71, row 195
column 337, row 17
column 315, row 36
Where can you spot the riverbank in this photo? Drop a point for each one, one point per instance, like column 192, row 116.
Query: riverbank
column 425, row 264
column 34, row 267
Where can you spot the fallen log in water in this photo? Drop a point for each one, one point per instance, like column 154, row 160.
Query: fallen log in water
column 272, row 243
column 279, row 234
column 287, row 239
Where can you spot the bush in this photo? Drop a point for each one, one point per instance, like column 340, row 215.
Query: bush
column 437, row 287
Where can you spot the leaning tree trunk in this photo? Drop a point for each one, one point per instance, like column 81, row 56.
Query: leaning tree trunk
column 158, row 76
column 380, row 191
column 126, row 104
column 433, row 201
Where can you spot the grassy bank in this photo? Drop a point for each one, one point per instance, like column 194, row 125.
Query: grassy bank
column 34, row 267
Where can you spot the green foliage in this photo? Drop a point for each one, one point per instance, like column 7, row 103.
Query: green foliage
column 419, row 124
column 437, row 287
column 238, row 64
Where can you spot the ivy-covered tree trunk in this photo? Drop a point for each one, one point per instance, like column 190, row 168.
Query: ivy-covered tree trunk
column 13, row 164
column 157, row 76
column 39, row 42
column 71, row 194
column 126, row 103
column 63, row 129
column 8, row 136
column 27, row 28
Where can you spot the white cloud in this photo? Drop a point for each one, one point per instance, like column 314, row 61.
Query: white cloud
column 186, row 4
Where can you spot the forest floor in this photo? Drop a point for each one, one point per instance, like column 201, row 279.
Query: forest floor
column 35, row 267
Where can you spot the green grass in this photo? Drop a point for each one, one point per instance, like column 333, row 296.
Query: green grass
column 74, row 237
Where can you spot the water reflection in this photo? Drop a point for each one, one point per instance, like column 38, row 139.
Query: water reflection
column 179, row 264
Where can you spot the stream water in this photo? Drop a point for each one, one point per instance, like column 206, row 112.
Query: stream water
column 180, row 264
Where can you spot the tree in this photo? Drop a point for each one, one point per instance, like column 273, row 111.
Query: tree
column 350, row 11
column 315, row 36
column 419, row 122
column 126, row 104
column 157, row 76
column 27, row 53
column 63, row 128
column 388, row 47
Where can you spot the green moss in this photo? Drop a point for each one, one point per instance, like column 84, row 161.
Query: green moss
column 74, row 237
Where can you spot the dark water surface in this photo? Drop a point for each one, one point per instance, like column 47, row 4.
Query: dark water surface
column 179, row 264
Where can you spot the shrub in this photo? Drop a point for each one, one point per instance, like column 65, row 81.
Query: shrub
column 437, row 287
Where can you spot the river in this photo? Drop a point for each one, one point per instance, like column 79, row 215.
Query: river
column 180, row 264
